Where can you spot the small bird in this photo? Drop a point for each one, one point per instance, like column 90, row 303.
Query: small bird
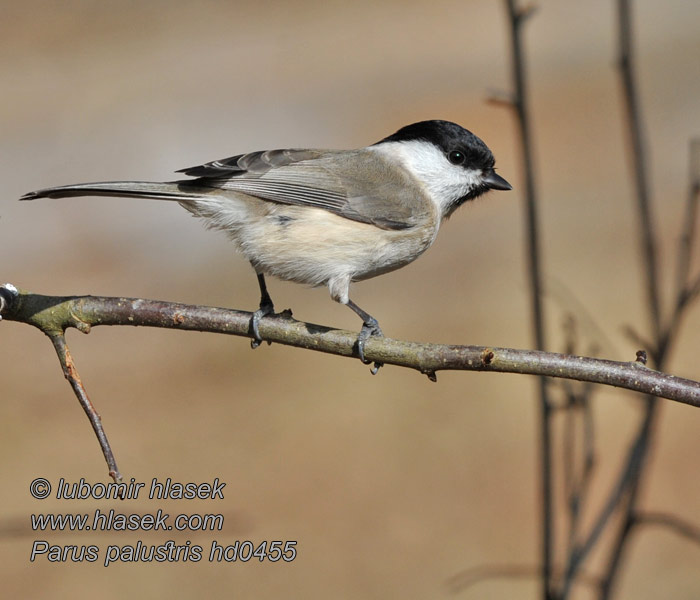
column 328, row 217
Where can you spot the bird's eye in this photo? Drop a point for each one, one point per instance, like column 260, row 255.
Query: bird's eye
column 456, row 157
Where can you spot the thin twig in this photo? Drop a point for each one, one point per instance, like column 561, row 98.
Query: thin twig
column 589, row 457
column 71, row 374
column 619, row 493
column 579, row 483
column 517, row 17
column 643, row 208
column 632, row 479
column 687, row 290
column 567, row 301
column 676, row 524
column 500, row 98
column 693, row 290
column 634, row 470
column 470, row 577
column 623, row 496
column 689, row 224
column 569, row 438
column 569, row 456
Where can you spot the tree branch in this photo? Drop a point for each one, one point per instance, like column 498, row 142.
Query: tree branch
column 647, row 239
column 623, row 489
column 470, row 577
column 687, row 289
column 634, row 469
column 55, row 314
column 71, row 374
column 689, row 226
column 517, row 16
column 676, row 524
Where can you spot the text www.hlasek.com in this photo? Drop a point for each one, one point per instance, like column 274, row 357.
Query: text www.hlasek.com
column 114, row 521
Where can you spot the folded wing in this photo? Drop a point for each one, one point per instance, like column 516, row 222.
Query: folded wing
column 358, row 185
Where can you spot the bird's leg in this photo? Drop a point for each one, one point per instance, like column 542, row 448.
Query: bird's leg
column 370, row 327
column 266, row 308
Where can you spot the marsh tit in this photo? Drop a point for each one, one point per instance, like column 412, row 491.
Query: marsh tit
column 328, row 217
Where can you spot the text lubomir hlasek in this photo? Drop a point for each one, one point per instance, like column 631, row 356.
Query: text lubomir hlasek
column 165, row 490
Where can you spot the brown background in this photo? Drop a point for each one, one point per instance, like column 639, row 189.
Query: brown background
column 390, row 484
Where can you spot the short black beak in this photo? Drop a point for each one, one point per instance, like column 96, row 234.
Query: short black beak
column 496, row 182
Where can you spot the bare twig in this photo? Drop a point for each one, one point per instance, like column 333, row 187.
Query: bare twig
column 687, row 290
column 10, row 306
column 634, row 470
column 693, row 290
column 470, row 577
column 672, row 522
column 500, row 98
column 574, row 402
column 638, row 153
column 589, row 458
column 689, row 225
column 578, row 476
column 71, row 374
column 517, row 17
column 621, row 491
column 568, row 301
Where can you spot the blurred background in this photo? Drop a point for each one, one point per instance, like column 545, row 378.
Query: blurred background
column 390, row 484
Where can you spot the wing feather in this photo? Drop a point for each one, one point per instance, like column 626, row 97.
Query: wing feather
column 356, row 185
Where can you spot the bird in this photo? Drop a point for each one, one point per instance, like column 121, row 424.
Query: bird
column 328, row 217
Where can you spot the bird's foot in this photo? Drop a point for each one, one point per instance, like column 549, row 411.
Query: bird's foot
column 369, row 328
column 266, row 308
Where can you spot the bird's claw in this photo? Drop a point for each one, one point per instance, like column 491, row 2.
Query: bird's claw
column 368, row 330
column 263, row 311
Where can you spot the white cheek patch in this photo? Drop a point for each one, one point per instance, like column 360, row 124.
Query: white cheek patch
column 444, row 182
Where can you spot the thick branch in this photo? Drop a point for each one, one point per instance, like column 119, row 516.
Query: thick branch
column 53, row 314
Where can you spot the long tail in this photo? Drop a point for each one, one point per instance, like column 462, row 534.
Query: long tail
column 173, row 190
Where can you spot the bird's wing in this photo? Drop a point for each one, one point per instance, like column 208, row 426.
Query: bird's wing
column 253, row 163
column 358, row 185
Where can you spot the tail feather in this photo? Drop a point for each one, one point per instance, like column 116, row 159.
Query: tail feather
column 173, row 190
